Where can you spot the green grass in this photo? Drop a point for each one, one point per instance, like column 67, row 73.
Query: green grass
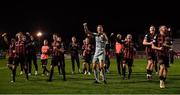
column 83, row 84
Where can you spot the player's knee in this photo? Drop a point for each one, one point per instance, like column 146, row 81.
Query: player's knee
column 84, row 64
column 152, row 65
column 148, row 65
column 162, row 67
column 101, row 67
column 13, row 67
column 150, row 61
column 94, row 66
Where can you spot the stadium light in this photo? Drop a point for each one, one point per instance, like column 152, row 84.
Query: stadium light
column 39, row 34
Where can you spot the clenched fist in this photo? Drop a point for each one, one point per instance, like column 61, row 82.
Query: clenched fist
column 85, row 24
column 4, row 34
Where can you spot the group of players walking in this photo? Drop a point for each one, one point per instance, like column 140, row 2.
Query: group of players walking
column 96, row 49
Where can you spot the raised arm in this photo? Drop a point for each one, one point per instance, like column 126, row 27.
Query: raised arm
column 86, row 29
column 5, row 38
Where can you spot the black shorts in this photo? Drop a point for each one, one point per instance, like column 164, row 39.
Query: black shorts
column 87, row 59
column 163, row 60
column 20, row 59
column 56, row 61
column 11, row 60
column 129, row 62
column 151, row 56
column 119, row 57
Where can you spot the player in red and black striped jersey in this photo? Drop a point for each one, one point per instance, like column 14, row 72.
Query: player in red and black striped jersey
column 25, row 41
column 150, row 53
column 129, row 53
column 57, row 53
column 162, row 44
column 87, row 49
column 20, row 55
column 61, row 64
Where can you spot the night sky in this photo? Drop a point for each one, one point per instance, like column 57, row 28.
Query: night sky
column 66, row 18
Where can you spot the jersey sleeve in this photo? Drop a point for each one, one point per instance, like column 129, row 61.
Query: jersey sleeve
column 155, row 39
column 146, row 36
column 95, row 34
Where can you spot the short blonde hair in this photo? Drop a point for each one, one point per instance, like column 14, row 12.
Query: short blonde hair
column 129, row 36
column 161, row 27
column 118, row 35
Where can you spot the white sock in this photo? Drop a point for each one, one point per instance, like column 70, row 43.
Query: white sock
column 96, row 75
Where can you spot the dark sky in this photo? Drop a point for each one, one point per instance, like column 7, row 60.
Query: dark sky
column 67, row 18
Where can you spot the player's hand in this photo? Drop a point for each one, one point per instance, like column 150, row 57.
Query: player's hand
column 54, row 48
column 27, row 33
column 112, row 34
column 102, row 36
column 61, row 50
column 169, row 29
column 161, row 48
column 4, row 34
column 151, row 43
column 85, row 24
column 74, row 44
column 14, row 51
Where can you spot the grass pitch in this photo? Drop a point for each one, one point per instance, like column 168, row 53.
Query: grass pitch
column 83, row 84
